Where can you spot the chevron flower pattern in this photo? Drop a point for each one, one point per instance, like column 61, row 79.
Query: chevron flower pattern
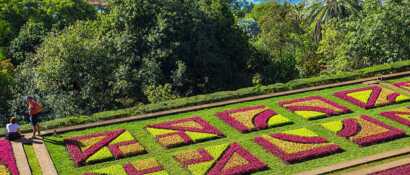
column 371, row 96
column 226, row 159
column 297, row 145
column 401, row 115
column 140, row 167
column 253, row 118
column 100, row 147
column 183, row 132
column 314, row 107
column 364, row 130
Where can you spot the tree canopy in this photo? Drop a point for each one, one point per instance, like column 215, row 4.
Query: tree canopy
column 77, row 59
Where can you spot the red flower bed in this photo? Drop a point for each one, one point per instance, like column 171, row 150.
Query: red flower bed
column 183, row 131
column 293, row 148
column 364, row 130
column 372, row 96
column 401, row 115
column 140, row 167
column 252, row 118
column 227, row 159
column 7, row 157
column 314, row 107
column 103, row 146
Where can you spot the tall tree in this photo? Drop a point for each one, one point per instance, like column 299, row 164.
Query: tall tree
column 323, row 11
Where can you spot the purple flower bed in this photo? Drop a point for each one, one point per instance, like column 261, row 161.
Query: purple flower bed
column 396, row 115
column 371, row 101
column 392, row 134
column 312, row 107
column 79, row 156
column 205, row 157
column 364, row 131
column 131, row 170
column 179, row 137
column 374, row 100
column 259, row 121
column 7, row 157
column 299, row 139
column 253, row 165
column 350, row 128
column 226, row 159
column 405, row 85
column 205, row 126
column 302, row 155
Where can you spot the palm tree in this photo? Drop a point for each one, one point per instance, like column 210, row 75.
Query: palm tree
column 322, row 11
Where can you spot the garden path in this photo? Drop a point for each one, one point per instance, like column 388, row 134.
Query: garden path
column 21, row 159
column 363, row 160
column 378, row 168
column 46, row 164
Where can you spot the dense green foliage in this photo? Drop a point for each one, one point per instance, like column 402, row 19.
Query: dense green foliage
column 78, row 61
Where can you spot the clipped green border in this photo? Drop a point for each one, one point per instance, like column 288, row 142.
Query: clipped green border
column 32, row 159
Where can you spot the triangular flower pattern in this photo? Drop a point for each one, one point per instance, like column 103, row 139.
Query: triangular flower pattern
column 253, row 118
column 314, row 107
column 183, row 132
column 371, row 96
column 401, row 115
column 364, row 130
column 297, row 145
column 226, row 159
column 140, row 167
column 102, row 146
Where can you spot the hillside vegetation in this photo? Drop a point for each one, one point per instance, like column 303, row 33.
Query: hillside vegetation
column 78, row 60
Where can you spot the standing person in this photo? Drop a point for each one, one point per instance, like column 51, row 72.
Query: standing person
column 13, row 129
column 34, row 110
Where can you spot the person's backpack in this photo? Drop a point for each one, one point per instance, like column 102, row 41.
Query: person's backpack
column 37, row 107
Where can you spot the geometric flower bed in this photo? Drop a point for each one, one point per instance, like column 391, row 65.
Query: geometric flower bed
column 102, row 146
column 7, row 160
column 252, row 118
column 140, row 167
column 400, row 170
column 371, row 96
column 183, row 132
column 401, row 115
column 297, row 145
column 404, row 85
column 364, row 130
column 226, row 159
column 314, row 107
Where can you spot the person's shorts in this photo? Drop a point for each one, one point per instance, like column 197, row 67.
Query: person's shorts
column 13, row 136
column 34, row 120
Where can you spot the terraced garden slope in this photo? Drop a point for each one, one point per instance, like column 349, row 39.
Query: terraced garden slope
column 279, row 135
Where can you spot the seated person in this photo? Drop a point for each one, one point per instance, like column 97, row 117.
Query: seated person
column 13, row 130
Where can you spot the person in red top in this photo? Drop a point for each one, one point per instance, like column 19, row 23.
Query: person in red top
column 34, row 110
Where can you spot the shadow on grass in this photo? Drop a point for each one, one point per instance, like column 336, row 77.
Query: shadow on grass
column 54, row 141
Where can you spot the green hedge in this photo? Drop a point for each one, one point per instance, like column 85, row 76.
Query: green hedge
column 225, row 95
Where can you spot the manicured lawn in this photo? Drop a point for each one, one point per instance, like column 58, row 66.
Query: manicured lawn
column 32, row 160
column 245, row 137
